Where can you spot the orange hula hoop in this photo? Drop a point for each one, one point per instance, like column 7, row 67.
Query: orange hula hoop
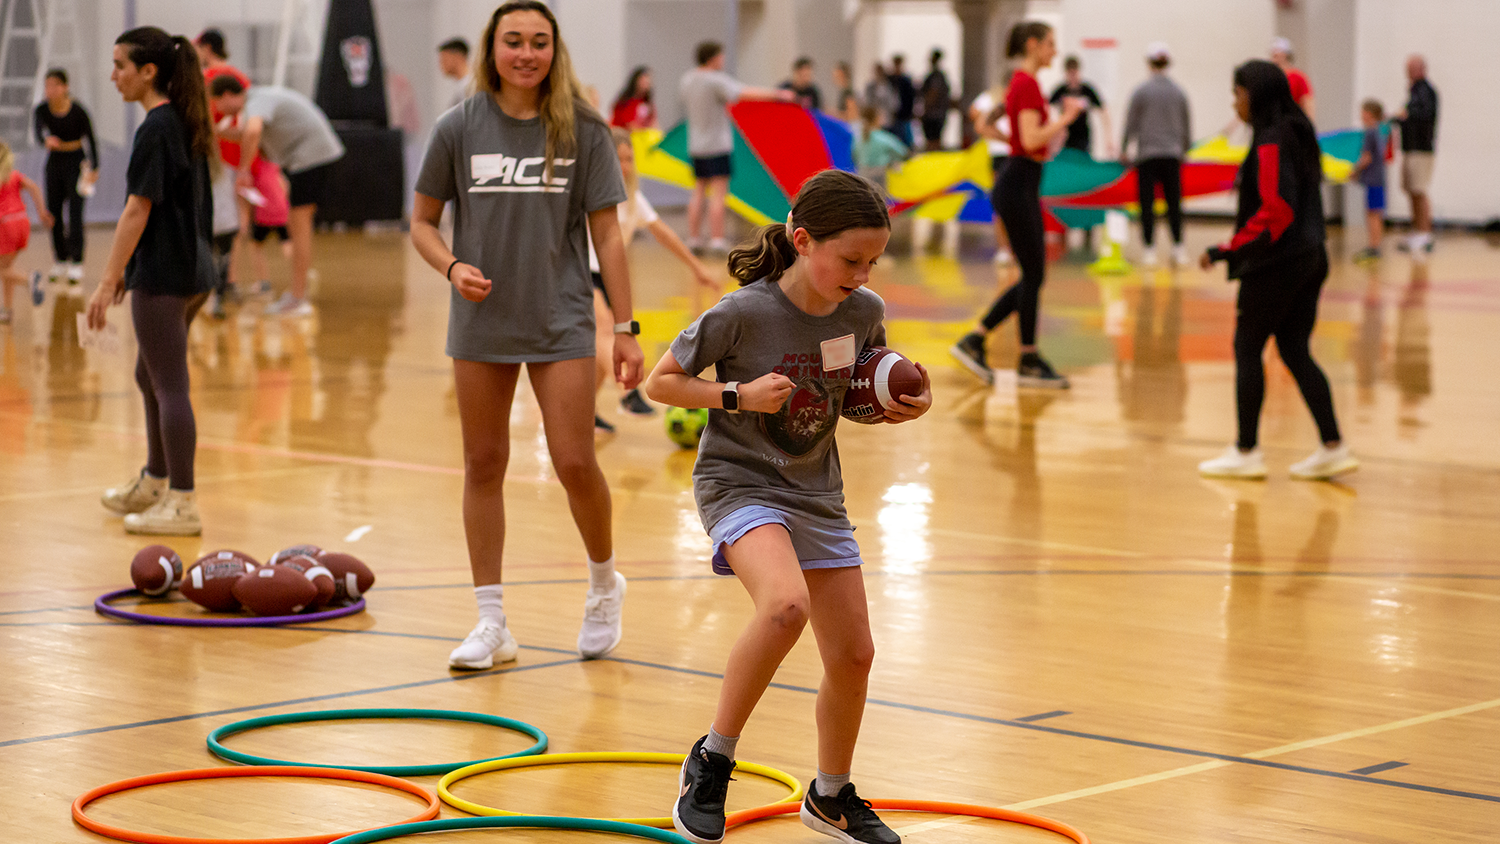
column 936, row 807
column 121, row 834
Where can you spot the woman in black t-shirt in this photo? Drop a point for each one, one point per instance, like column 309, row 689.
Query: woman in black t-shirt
column 63, row 127
column 161, row 254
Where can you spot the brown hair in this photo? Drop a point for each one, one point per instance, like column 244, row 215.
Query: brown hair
column 1015, row 46
column 1374, row 108
column 706, row 51
column 829, row 204
column 179, row 77
column 560, row 95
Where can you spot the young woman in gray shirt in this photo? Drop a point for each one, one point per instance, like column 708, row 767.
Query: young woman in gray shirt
column 527, row 162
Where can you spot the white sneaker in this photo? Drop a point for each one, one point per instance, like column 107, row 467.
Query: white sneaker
column 135, row 495
column 718, row 246
column 1148, row 257
column 1325, row 463
column 602, row 624
column 485, row 645
column 176, row 514
column 1234, row 463
column 287, row 305
column 75, row 272
column 1179, row 256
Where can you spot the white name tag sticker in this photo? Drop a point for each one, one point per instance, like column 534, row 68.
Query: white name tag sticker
column 485, row 167
column 839, row 353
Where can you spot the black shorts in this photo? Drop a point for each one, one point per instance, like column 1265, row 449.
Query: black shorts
column 599, row 286
column 260, row 233
column 708, row 168
column 310, row 187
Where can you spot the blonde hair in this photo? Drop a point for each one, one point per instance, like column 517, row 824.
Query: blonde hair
column 7, row 161
column 621, row 138
column 560, row 96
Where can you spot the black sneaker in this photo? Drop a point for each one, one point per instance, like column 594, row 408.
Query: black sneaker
column 845, row 817
column 601, row 426
column 969, row 351
column 699, row 811
column 1034, row 371
column 635, row 403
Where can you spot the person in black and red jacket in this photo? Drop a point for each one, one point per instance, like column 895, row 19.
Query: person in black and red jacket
column 1279, row 256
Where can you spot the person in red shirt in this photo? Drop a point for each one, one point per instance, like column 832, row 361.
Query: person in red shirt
column 1302, row 92
column 632, row 108
column 1019, row 203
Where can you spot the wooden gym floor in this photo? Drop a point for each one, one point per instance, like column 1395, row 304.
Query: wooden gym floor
column 1068, row 620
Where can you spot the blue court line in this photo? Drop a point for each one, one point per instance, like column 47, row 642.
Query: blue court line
column 277, row 704
column 1375, row 769
column 1019, row 723
column 1144, row 745
column 1042, row 716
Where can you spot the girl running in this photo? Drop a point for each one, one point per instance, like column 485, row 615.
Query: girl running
column 768, row 485
column 15, row 227
column 527, row 163
column 634, row 213
column 1017, row 198
column 162, row 254
column 1279, row 255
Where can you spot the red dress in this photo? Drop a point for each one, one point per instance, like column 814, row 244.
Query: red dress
column 633, row 113
column 15, row 226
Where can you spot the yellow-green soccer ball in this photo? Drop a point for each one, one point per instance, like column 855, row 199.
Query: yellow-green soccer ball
column 685, row 425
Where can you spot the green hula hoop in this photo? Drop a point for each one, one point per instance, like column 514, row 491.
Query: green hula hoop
column 216, row 738
column 794, row 786
column 527, row 821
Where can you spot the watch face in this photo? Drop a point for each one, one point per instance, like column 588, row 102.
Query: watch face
column 731, row 400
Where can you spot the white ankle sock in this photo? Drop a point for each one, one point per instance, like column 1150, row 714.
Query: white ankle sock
column 489, row 600
column 602, row 575
column 829, row 785
column 722, row 745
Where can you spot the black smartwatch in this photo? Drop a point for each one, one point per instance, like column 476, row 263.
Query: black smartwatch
column 632, row 328
column 732, row 397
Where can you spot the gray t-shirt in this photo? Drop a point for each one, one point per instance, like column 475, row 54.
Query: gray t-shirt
column 785, row 460
column 1158, row 120
column 297, row 135
column 705, row 96
column 526, row 233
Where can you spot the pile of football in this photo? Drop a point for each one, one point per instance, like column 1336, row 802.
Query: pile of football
column 302, row 578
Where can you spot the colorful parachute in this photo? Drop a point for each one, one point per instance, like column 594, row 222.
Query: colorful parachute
column 777, row 146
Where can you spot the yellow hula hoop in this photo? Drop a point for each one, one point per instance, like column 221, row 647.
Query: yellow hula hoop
column 461, row 804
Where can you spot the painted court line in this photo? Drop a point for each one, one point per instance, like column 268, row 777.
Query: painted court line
column 1376, row 769
column 1225, row 761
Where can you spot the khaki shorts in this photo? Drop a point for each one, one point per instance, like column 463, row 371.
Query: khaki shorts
column 1416, row 172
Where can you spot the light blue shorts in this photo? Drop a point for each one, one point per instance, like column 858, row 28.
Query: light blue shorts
column 817, row 545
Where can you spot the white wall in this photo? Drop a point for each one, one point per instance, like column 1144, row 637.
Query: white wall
column 1458, row 38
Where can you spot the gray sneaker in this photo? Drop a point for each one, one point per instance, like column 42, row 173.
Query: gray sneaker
column 1035, row 371
column 135, row 495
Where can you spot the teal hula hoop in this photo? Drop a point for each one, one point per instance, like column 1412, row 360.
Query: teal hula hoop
column 216, row 737
column 523, row 821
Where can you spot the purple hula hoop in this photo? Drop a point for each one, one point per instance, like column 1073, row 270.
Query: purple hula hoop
column 101, row 606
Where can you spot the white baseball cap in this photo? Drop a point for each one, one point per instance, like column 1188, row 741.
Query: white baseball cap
column 1158, row 50
column 1281, row 45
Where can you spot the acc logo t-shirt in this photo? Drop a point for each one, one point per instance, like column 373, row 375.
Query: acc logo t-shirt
column 522, row 224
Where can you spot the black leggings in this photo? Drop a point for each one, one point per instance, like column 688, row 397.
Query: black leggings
column 1166, row 172
column 61, row 179
column 1017, row 199
column 161, row 371
column 1282, row 304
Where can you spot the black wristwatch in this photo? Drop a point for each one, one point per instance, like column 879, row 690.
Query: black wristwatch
column 632, row 328
column 732, row 397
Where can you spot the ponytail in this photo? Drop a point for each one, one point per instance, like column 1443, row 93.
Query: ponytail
column 1015, row 46
column 7, row 162
column 178, row 77
column 829, row 204
column 768, row 257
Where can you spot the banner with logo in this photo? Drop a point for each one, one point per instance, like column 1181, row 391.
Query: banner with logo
column 351, row 78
